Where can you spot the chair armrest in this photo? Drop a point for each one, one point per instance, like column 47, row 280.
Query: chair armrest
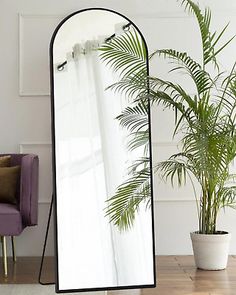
column 29, row 189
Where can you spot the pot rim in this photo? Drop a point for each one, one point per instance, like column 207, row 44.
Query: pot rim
column 218, row 233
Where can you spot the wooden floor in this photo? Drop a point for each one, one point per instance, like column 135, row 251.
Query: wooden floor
column 176, row 275
column 26, row 270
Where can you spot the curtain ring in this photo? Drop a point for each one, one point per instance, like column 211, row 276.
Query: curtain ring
column 60, row 68
column 126, row 28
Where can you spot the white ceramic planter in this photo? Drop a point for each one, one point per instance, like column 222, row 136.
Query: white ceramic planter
column 211, row 251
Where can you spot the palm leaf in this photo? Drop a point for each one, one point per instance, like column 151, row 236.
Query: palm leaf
column 138, row 139
column 172, row 168
column 204, row 26
column 209, row 41
column 134, row 118
column 200, row 77
column 125, row 54
column 134, row 87
column 123, row 206
column 227, row 197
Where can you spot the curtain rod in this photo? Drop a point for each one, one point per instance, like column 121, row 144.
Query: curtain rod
column 61, row 66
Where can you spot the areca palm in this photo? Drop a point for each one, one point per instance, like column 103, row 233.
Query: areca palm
column 205, row 118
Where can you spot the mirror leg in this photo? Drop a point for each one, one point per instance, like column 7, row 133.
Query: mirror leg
column 13, row 249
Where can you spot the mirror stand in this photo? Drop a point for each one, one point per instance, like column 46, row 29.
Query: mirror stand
column 44, row 248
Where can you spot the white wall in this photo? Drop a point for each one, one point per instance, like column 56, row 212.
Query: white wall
column 25, row 30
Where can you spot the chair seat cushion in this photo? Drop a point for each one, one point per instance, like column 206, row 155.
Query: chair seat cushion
column 10, row 220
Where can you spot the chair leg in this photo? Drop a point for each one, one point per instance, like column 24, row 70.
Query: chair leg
column 4, row 255
column 13, row 248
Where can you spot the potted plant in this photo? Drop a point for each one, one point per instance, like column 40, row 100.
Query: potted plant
column 208, row 144
column 206, row 120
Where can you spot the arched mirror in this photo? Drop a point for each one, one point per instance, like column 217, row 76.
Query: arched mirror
column 101, row 153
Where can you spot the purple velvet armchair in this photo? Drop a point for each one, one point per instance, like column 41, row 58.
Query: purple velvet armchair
column 14, row 218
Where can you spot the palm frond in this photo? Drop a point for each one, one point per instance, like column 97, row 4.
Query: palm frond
column 139, row 164
column 204, row 20
column 176, row 92
column 125, row 54
column 172, row 169
column 138, row 139
column 201, row 78
column 134, row 87
column 228, row 197
column 124, row 205
column 134, row 118
column 209, row 40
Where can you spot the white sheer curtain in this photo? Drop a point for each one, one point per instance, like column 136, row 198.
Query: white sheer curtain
column 91, row 159
column 80, row 173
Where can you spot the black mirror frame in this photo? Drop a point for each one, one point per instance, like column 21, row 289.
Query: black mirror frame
column 54, row 165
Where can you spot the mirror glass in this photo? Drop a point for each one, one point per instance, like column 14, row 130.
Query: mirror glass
column 102, row 169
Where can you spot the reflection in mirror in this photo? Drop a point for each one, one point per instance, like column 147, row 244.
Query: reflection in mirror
column 102, row 174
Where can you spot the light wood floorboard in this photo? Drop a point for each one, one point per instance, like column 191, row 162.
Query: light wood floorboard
column 176, row 275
